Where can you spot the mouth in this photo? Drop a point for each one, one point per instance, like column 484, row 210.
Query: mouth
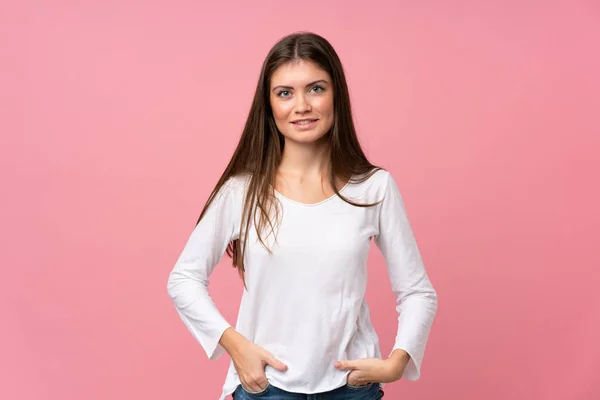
column 304, row 122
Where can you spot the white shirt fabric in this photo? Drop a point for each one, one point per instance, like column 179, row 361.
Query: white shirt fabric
column 305, row 301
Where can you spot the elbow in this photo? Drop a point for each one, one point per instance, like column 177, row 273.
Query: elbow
column 424, row 299
column 172, row 286
column 175, row 283
column 433, row 298
column 429, row 295
column 183, row 284
column 429, row 300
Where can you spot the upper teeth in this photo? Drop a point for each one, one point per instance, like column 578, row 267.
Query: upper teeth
column 304, row 121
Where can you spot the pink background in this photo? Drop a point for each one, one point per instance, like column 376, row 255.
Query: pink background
column 118, row 117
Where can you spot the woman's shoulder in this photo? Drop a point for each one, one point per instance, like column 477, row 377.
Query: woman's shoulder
column 235, row 186
column 238, row 181
column 376, row 178
column 368, row 187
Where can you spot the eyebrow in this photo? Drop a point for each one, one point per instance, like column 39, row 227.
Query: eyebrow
column 310, row 84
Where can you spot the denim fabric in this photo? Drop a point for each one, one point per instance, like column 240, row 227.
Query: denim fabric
column 347, row 392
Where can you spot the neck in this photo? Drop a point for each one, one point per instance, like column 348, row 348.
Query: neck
column 306, row 160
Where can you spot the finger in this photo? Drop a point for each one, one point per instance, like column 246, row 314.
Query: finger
column 256, row 387
column 257, row 384
column 346, row 365
column 358, row 380
column 261, row 384
column 353, row 378
column 249, row 385
column 253, row 387
column 275, row 363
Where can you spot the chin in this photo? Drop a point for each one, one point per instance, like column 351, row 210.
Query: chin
column 306, row 138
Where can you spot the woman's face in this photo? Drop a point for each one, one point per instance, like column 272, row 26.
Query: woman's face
column 302, row 91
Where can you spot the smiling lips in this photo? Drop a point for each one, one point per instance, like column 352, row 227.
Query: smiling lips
column 304, row 122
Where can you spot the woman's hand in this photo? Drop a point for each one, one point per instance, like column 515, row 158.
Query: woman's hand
column 249, row 360
column 367, row 370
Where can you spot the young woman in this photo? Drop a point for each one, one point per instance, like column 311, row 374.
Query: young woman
column 296, row 209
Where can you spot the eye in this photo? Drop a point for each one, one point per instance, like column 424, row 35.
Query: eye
column 320, row 88
column 282, row 92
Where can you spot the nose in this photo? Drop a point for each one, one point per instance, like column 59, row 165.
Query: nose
column 302, row 104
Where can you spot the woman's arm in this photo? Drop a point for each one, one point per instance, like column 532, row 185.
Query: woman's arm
column 416, row 299
column 188, row 281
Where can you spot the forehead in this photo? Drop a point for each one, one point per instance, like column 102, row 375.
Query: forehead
column 298, row 73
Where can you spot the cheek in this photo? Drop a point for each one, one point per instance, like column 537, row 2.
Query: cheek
column 325, row 106
column 280, row 110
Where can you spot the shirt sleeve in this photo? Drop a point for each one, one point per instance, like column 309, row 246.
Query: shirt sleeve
column 188, row 281
column 416, row 299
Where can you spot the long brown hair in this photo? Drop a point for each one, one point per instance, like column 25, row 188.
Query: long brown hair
column 260, row 148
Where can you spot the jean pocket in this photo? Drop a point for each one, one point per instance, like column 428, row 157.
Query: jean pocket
column 259, row 393
column 360, row 387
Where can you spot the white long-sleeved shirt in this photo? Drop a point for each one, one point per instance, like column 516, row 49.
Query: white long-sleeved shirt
column 305, row 303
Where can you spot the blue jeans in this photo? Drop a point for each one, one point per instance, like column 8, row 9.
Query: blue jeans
column 370, row 391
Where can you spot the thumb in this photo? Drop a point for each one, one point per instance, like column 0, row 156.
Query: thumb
column 275, row 363
column 345, row 365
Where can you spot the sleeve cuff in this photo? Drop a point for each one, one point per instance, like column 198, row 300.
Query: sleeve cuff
column 213, row 349
column 412, row 371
